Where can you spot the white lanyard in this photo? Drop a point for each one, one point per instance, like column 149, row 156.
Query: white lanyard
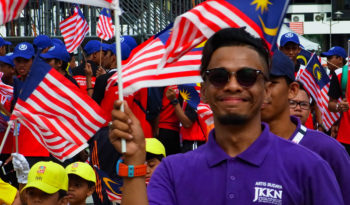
column 299, row 136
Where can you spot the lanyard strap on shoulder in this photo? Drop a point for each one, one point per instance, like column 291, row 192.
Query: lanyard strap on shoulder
column 299, row 136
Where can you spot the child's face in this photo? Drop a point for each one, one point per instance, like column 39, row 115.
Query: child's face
column 36, row 196
column 78, row 190
column 152, row 164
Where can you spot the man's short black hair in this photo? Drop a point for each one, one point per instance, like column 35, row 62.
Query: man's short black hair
column 233, row 37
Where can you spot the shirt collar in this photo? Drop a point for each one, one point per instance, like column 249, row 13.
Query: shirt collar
column 254, row 154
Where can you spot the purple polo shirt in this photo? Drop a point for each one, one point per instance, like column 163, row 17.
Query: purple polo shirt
column 271, row 171
column 331, row 151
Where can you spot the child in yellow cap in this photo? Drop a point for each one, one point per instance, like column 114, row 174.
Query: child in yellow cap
column 47, row 184
column 82, row 181
column 155, row 152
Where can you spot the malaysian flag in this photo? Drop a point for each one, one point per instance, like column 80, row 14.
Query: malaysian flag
column 74, row 29
column 112, row 187
column 105, row 29
column 6, row 93
column 58, row 114
column 304, row 57
column 190, row 94
column 297, row 27
column 261, row 18
column 316, row 82
column 10, row 9
column 99, row 3
column 140, row 70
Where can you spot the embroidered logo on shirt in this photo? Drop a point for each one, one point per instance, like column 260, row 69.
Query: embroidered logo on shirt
column 268, row 193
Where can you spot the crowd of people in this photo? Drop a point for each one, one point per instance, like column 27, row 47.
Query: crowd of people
column 267, row 144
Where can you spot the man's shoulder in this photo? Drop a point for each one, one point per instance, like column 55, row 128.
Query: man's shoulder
column 317, row 138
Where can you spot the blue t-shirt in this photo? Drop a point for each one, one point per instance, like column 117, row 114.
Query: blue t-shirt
column 331, row 151
column 270, row 171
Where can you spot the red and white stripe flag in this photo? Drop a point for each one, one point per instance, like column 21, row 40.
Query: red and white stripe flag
column 59, row 115
column 10, row 9
column 74, row 29
column 140, row 70
column 105, row 28
column 297, row 27
column 201, row 22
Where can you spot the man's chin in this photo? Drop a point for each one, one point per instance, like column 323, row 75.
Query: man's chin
column 232, row 119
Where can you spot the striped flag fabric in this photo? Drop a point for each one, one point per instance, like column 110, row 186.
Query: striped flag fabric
column 74, row 29
column 98, row 3
column 140, row 69
column 316, row 82
column 10, row 9
column 6, row 93
column 105, row 28
column 261, row 18
column 59, row 115
column 297, row 27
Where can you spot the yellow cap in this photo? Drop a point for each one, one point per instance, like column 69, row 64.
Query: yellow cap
column 49, row 177
column 84, row 170
column 154, row 146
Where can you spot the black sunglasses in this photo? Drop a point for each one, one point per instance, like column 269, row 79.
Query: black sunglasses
column 246, row 77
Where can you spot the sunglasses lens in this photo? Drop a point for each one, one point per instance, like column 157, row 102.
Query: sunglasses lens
column 218, row 77
column 246, row 77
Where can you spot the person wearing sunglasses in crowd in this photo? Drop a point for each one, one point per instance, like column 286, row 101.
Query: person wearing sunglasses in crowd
column 242, row 160
column 275, row 112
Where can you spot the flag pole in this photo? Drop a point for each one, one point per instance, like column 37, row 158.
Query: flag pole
column 5, row 136
column 15, row 133
column 117, row 12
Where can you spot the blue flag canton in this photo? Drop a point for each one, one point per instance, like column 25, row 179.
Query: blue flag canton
column 318, row 72
column 164, row 34
column 106, row 12
column 79, row 11
column 190, row 94
column 267, row 14
column 37, row 73
column 304, row 56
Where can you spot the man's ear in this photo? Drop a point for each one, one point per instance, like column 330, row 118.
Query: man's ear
column 63, row 200
column 91, row 190
column 293, row 90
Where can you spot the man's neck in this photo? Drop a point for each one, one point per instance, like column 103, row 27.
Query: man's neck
column 234, row 139
column 282, row 125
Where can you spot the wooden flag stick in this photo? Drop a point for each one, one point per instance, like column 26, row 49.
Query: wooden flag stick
column 5, row 136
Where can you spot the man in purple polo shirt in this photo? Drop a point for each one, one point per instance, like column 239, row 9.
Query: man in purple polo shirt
column 277, row 114
column 243, row 162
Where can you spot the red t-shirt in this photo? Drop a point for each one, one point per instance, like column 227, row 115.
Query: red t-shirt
column 167, row 117
column 111, row 95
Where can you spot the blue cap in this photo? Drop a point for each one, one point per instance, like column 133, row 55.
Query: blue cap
column 3, row 42
column 335, row 51
column 57, row 41
column 289, row 37
column 42, row 41
column 57, row 51
column 129, row 40
column 282, row 66
column 106, row 47
column 8, row 59
column 24, row 50
column 125, row 49
column 92, row 46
